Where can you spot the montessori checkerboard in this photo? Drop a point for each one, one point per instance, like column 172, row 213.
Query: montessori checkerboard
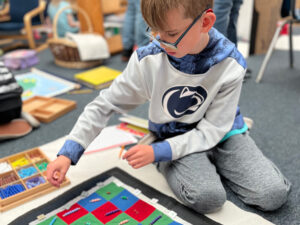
column 111, row 202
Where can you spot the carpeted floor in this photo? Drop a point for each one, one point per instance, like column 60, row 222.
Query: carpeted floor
column 274, row 105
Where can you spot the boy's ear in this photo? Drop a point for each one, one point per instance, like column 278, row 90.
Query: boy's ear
column 208, row 21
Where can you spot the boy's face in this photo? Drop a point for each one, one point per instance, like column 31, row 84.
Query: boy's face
column 193, row 42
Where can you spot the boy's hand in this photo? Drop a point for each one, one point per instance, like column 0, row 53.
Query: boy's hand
column 139, row 156
column 56, row 170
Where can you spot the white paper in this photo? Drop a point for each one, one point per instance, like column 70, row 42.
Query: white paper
column 110, row 137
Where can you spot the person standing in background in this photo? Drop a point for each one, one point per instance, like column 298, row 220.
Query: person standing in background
column 134, row 29
column 66, row 21
column 227, row 14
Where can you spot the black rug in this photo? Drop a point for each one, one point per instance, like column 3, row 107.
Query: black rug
column 168, row 202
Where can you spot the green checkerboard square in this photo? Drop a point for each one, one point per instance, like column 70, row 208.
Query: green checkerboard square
column 87, row 219
column 121, row 218
column 58, row 221
column 109, row 191
column 164, row 220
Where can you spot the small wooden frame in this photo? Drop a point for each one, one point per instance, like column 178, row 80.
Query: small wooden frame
column 47, row 109
column 34, row 158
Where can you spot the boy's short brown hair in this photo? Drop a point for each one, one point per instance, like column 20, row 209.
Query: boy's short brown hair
column 154, row 11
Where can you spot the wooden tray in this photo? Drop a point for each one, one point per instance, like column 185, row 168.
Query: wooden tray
column 34, row 157
column 47, row 109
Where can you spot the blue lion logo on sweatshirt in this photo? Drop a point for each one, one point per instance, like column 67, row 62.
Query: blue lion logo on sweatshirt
column 182, row 100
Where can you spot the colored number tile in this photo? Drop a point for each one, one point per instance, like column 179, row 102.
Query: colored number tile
column 88, row 203
column 87, row 219
column 124, row 200
column 72, row 214
column 123, row 217
column 157, row 218
column 50, row 220
column 140, row 210
column 106, row 212
column 109, row 191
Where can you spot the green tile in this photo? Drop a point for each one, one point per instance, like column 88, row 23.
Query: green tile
column 58, row 221
column 122, row 217
column 109, row 191
column 162, row 221
column 88, row 218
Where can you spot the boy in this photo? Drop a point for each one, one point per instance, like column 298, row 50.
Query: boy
column 192, row 76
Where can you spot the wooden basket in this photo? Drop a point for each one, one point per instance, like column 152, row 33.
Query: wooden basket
column 65, row 51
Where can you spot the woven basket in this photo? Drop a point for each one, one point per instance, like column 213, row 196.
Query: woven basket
column 65, row 51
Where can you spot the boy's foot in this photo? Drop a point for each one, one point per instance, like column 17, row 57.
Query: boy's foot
column 249, row 122
column 126, row 53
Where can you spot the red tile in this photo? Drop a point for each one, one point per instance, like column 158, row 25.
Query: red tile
column 100, row 213
column 73, row 216
column 140, row 210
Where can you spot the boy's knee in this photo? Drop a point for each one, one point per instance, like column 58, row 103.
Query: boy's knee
column 272, row 198
column 205, row 201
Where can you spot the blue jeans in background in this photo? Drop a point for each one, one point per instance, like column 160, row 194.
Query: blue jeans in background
column 134, row 27
column 227, row 13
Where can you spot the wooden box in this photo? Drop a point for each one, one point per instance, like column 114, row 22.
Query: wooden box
column 47, row 109
column 33, row 160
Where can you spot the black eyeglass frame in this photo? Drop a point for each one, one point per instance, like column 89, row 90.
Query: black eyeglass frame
column 174, row 45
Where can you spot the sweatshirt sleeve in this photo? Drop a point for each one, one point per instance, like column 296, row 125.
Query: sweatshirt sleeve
column 72, row 150
column 217, row 121
column 126, row 92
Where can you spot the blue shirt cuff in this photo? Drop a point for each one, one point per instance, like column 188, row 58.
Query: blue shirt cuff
column 162, row 151
column 72, row 150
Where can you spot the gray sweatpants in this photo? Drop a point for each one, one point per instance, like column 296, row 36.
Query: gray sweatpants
column 195, row 178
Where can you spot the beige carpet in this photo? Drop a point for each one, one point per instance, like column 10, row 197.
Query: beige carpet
column 93, row 164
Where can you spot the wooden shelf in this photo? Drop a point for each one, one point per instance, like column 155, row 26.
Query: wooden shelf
column 96, row 10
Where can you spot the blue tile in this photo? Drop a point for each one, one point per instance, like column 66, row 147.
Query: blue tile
column 174, row 223
column 126, row 203
column 90, row 206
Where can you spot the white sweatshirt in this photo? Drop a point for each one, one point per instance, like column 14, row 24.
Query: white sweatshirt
column 193, row 100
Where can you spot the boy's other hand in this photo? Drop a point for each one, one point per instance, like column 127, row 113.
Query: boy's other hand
column 56, row 170
column 139, row 156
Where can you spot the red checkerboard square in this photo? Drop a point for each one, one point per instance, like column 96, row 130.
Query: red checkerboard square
column 73, row 216
column 140, row 210
column 100, row 212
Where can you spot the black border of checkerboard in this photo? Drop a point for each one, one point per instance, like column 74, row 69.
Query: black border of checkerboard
column 168, row 202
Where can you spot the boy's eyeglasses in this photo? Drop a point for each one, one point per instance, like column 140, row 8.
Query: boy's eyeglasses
column 174, row 45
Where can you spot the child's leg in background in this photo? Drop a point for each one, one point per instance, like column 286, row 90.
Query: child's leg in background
column 253, row 177
column 195, row 182
column 233, row 19
column 222, row 9
column 128, row 26
column 141, row 39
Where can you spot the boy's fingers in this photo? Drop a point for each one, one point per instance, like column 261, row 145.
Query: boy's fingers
column 138, row 165
column 134, row 162
column 56, row 175
column 50, row 174
column 61, row 177
column 51, row 178
column 129, row 153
